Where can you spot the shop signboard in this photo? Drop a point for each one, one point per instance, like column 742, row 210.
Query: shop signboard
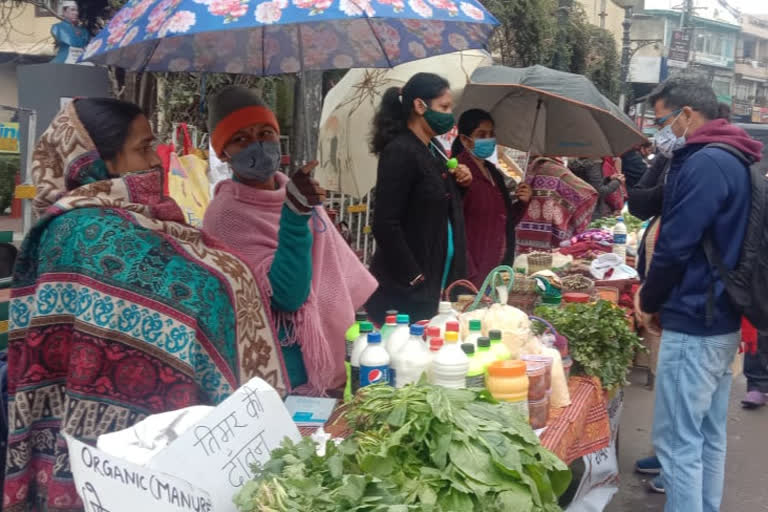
column 759, row 115
column 9, row 137
column 679, row 48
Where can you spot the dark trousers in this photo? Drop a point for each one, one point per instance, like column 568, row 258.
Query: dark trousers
column 756, row 367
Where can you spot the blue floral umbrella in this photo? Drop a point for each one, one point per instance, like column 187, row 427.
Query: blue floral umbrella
column 269, row 37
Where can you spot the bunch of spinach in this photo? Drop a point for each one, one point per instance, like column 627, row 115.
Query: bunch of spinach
column 599, row 339
column 424, row 448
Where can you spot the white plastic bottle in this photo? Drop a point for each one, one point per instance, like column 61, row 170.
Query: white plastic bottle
column 435, row 345
column 445, row 314
column 399, row 335
column 450, row 366
column 412, row 361
column 475, row 332
column 359, row 346
column 374, row 362
column 388, row 328
column 620, row 239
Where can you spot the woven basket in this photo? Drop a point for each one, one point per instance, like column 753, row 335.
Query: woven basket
column 577, row 283
column 538, row 261
column 524, row 294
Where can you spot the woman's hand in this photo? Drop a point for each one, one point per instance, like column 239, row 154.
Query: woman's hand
column 463, row 175
column 303, row 192
column 649, row 321
column 620, row 178
column 524, row 192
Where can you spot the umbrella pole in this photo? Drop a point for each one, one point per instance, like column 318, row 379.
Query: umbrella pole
column 530, row 142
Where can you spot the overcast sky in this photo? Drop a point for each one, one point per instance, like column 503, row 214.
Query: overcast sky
column 751, row 6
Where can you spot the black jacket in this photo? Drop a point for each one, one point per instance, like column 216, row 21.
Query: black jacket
column 633, row 167
column 415, row 198
column 646, row 197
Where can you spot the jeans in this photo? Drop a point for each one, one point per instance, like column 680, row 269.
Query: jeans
column 693, row 382
column 756, row 368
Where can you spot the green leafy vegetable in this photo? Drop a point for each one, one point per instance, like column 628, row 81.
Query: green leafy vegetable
column 599, row 339
column 420, row 448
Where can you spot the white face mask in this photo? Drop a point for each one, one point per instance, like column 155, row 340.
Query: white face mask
column 667, row 142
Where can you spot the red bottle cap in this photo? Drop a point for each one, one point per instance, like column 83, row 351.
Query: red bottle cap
column 392, row 319
column 452, row 327
column 435, row 344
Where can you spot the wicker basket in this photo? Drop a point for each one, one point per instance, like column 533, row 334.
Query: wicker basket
column 577, row 283
column 524, row 295
column 538, row 261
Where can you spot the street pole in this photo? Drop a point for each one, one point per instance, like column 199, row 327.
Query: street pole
column 626, row 49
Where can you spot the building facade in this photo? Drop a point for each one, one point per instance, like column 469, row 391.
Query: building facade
column 750, row 90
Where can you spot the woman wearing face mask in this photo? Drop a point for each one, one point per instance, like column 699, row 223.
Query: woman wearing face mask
column 313, row 279
column 119, row 309
column 418, row 220
column 489, row 214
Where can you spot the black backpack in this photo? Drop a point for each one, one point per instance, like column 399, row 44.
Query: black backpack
column 747, row 283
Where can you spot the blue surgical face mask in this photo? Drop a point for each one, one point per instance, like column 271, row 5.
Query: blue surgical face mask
column 484, row 148
column 258, row 162
column 667, row 142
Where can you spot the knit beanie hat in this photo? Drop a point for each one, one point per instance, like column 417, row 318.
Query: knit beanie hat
column 232, row 109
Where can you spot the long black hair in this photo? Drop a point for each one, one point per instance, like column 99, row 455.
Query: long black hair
column 468, row 123
column 397, row 104
column 108, row 122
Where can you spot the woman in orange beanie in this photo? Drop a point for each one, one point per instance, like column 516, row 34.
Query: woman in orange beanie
column 314, row 280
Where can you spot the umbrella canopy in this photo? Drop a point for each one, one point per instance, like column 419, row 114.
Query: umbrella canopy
column 268, row 37
column 549, row 112
column 346, row 163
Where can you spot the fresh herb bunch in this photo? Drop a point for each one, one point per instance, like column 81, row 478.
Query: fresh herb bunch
column 632, row 222
column 424, row 448
column 599, row 339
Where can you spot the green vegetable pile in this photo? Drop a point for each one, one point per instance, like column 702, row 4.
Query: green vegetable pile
column 421, row 448
column 632, row 222
column 599, row 339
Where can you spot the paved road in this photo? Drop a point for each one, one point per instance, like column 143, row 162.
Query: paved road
column 747, row 464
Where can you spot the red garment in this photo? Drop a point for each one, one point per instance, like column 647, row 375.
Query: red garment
column 748, row 336
column 488, row 211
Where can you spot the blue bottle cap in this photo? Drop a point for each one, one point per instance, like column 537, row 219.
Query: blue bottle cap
column 374, row 337
column 417, row 330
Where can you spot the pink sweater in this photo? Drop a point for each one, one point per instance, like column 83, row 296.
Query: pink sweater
column 247, row 220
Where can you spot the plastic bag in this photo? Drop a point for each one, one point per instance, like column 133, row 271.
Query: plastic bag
column 187, row 183
column 513, row 323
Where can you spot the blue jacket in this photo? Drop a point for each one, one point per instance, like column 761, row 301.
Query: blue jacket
column 707, row 192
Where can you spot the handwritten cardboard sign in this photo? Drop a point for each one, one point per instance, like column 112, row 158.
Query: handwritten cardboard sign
column 109, row 484
column 217, row 454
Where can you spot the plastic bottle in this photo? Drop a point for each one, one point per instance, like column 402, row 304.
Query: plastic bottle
column 499, row 350
column 620, row 239
column 374, row 362
column 410, row 363
column 359, row 347
column 445, row 314
column 388, row 328
column 475, row 332
column 399, row 335
column 476, row 372
column 484, row 352
column 450, row 366
column 354, row 331
column 435, row 345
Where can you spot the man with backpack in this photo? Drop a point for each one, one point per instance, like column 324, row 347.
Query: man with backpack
column 706, row 215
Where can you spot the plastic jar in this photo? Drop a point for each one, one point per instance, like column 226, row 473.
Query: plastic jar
column 567, row 363
column 538, row 411
column 576, row 298
column 537, row 380
column 508, row 382
column 547, row 361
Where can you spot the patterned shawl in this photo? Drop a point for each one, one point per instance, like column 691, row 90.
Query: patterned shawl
column 118, row 311
column 561, row 207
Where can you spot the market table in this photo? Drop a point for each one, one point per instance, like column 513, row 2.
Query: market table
column 572, row 432
column 581, row 428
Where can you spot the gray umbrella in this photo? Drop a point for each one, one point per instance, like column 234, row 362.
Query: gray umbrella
column 548, row 112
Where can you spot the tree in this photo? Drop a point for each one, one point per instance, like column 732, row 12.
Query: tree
column 556, row 34
column 526, row 33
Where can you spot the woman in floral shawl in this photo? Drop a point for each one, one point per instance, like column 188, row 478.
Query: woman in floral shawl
column 119, row 310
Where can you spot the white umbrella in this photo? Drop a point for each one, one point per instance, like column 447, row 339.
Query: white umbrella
column 346, row 163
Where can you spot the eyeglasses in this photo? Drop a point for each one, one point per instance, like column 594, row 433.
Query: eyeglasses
column 659, row 121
